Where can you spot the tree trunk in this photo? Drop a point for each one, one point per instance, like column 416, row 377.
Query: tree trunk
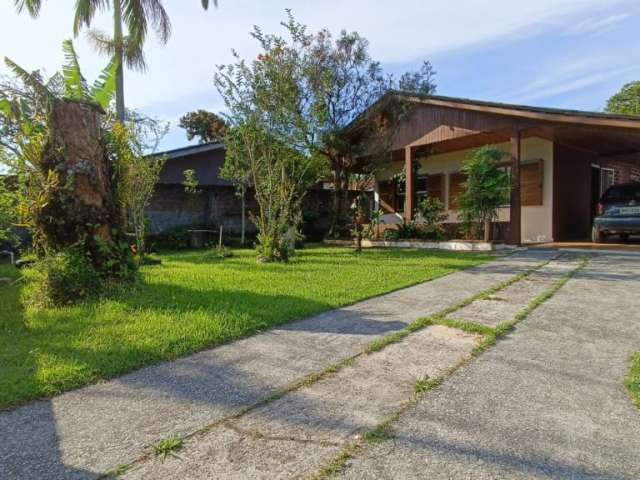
column 82, row 209
column 487, row 230
column 244, row 216
column 119, row 54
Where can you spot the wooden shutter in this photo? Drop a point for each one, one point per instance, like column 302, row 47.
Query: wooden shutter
column 531, row 180
column 435, row 186
column 387, row 190
column 455, row 188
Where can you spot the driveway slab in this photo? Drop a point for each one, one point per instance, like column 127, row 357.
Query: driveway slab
column 304, row 429
column 83, row 433
column 547, row 402
column 506, row 304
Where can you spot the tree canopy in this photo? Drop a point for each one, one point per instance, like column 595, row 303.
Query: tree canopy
column 626, row 101
column 207, row 126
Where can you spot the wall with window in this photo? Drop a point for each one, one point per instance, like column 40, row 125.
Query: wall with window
column 440, row 176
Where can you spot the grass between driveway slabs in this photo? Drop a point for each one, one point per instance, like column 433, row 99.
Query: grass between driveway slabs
column 633, row 379
column 190, row 302
column 383, row 431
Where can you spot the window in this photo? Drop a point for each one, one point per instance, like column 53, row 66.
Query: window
column 422, row 187
column 531, row 183
column 435, row 186
column 531, row 179
column 399, row 197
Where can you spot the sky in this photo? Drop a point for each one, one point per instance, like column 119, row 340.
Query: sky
column 555, row 53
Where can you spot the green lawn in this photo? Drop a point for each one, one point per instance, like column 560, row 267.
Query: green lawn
column 190, row 302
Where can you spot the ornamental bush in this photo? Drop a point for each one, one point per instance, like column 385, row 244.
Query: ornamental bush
column 61, row 278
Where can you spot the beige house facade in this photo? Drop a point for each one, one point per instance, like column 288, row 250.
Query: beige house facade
column 560, row 162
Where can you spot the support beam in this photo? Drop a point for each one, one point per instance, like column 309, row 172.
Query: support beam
column 409, row 185
column 515, row 223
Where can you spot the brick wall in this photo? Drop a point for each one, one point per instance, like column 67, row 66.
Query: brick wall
column 172, row 208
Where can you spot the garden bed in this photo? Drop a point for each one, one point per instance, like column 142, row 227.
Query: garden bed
column 451, row 245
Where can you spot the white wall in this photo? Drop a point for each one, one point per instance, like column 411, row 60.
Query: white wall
column 537, row 221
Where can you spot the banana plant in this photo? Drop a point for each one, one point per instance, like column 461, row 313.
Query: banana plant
column 74, row 84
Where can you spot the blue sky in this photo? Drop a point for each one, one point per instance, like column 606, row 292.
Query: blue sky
column 556, row 53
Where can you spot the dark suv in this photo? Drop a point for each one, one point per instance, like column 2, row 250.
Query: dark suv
column 618, row 212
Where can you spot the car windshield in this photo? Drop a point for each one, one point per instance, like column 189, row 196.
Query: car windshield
column 623, row 193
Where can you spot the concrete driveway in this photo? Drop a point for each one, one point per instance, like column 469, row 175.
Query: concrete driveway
column 406, row 385
column 546, row 402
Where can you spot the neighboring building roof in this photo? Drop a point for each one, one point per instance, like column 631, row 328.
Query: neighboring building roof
column 206, row 160
column 190, row 150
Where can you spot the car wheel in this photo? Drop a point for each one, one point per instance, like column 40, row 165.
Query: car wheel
column 624, row 237
column 596, row 235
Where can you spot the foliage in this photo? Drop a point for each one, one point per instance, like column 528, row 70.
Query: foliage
column 432, row 213
column 329, row 83
column 373, row 229
column 420, row 82
column 626, row 101
column 266, row 143
column 45, row 352
column 487, row 187
column 414, row 231
column 219, row 252
column 137, row 178
column 61, row 278
column 175, row 239
column 361, row 213
column 190, row 183
column 207, row 126
column 168, row 446
column 74, row 85
column 632, row 380
column 8, row 212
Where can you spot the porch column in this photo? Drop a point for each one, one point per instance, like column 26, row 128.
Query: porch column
column 409, row 185
column 515, row 223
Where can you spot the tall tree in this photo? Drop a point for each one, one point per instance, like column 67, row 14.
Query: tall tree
column 626, row 101
column 207, row 126
column 267, row 140
column 135, row 15
column 342, row 82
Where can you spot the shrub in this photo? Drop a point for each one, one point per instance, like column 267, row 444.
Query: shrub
column 487, row 189
column 61, row 278
column 433, row 214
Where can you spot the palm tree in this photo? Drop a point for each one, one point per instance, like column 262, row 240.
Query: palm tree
column 136, row 15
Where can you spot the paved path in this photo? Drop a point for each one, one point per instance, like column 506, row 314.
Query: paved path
column 83, row 433
column 545, row 402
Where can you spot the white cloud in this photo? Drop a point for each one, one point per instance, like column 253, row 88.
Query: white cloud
column 597, row 25
column 560, row 78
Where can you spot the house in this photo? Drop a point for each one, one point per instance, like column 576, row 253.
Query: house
column 561, row 161
column 217, row 203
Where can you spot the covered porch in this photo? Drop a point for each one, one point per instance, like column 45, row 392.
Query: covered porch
column 560, row 162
